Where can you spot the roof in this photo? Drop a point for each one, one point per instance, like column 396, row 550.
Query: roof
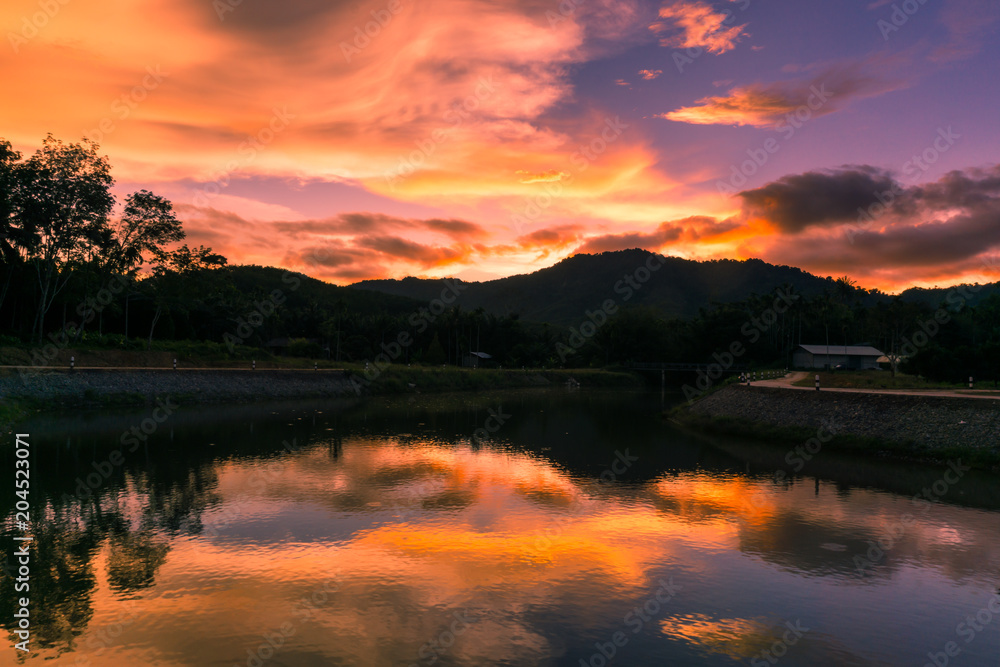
column 481, row 355
column 843, row 350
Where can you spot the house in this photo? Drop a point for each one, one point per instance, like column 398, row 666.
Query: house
column 476, row 359
column 857, row 357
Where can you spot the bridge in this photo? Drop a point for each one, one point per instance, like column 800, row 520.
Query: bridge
column 688, row 367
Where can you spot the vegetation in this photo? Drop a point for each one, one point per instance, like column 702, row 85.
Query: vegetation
column 871, row 380
column 80, row 271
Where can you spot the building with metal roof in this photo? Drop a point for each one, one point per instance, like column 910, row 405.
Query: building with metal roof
column 856, row 357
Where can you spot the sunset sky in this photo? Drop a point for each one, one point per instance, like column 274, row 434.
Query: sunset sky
column 386, row 138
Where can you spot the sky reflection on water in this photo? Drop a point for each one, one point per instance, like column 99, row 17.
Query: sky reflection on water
column 386, row 535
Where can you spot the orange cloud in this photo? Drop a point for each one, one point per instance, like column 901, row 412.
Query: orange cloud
column 343, row 248
column 650, row 74
column 541, row 177
column 773, row 104
column 697, row 24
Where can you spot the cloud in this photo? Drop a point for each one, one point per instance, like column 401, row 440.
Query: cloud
column 906, row 233
column 360, row 104
column 549, row 176
column 622, row 82
column 366, row 223
column 650, row 74
column 969, row 23
column 551, row 237
column 696, row 24
column 686, row 229
column 797, row 202
column 348, row 246
column 769, row 104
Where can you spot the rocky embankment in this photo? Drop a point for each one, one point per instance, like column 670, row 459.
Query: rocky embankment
column 98, row 385
column 924, row 424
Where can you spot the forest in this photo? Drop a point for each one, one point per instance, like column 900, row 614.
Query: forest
column 83, row 270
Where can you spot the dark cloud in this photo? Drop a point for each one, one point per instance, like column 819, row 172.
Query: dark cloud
column 397, row 248
column 970, row 189
column 794, row 203
column 280, row 22
column 948, row 222
column 664, row 234
column 551, row 236
column 379, row 223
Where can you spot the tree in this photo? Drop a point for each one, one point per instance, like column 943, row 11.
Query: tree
column 147, row 225
column 435, row 353
column 9, row 232
column 62, row 200
column 173, row 275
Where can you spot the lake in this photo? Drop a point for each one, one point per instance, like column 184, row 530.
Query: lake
column 541, row 527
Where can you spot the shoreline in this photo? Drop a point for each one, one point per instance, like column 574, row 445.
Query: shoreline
column 41, row 389
column 906, row 427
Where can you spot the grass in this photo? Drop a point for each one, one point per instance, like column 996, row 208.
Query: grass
column 397, row 378
column 872, row 380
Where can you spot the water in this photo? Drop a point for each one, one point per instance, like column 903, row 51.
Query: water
column 543, row 527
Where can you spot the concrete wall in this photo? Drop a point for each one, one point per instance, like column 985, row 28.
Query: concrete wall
column 930, row 422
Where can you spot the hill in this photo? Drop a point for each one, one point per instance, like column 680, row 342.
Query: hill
column 562, row 293
column 935, row 296
column 313, row 293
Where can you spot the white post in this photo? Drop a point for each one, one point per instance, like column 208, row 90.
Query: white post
column 817, row 382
